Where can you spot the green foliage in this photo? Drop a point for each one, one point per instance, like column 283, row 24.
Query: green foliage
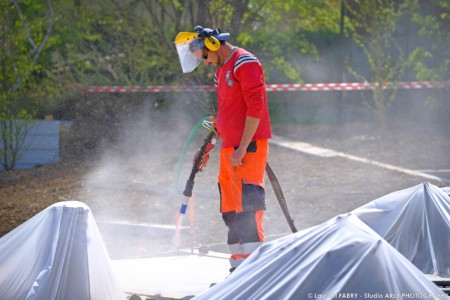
column 279, row 32
column 372, row 25
column 416, row 61
column 13, row 132
column 26, row 27
column 433, row 28
column 222, row 12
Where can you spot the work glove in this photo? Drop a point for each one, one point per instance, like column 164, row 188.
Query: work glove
column 205, row 157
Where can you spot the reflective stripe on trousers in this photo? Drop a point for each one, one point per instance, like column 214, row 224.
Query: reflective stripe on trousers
column 239, row 252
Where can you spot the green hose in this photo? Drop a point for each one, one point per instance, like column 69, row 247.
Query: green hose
column 187, row 143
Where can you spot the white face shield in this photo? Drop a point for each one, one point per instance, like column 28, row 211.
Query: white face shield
column 190, row 57
column 190, row 45
column 190, row 50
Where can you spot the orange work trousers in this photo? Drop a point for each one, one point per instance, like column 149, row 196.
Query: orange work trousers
column 242, row 198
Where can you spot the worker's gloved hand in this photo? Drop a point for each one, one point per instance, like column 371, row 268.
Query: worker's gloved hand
column 205, row 157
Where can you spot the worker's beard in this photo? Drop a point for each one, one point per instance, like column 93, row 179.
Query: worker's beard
column 219, row 62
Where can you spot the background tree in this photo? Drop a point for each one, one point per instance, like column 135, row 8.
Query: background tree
column 430, row 60
column 372, row 26
column 26, row 28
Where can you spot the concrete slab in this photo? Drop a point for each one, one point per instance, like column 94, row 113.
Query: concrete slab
column 174, row 276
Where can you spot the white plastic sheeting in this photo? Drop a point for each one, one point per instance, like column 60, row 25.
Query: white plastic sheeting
column 57, row 254
column 341, row 258
column 415, row 221
column 446, row 190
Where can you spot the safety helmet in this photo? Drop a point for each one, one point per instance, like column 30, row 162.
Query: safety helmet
column 190, row 45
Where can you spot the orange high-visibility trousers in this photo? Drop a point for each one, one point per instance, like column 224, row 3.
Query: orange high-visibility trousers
column 242, row 199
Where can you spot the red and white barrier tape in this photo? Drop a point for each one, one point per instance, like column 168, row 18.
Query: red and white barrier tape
column 344, row 86
column 149, row 89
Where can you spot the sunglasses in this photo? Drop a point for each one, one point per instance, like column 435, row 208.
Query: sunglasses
column 205, row 54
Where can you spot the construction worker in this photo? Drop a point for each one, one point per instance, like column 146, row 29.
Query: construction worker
column 243, row 124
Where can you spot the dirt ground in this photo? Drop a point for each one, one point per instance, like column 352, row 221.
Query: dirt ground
column 134, row 199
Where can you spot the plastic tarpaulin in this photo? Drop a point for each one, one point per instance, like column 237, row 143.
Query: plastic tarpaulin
column 57, row 254
column 416, row 222
column 446, row 190
column 341, row 258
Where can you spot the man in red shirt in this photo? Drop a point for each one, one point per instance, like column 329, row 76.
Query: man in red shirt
column 243, row 124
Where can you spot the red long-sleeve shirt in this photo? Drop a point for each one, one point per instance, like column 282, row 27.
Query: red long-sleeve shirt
column 241, row 92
